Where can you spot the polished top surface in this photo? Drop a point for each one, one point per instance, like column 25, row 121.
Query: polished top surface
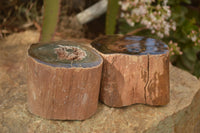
column 133, row 45
column 50, row 54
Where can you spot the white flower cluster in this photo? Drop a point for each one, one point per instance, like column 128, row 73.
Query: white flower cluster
column 195, row 37
column 154, row 17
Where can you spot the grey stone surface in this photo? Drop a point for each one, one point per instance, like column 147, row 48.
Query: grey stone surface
column 181, row 115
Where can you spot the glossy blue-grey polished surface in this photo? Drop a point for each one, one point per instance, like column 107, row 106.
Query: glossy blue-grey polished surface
column 134, row 45
column 45, row 53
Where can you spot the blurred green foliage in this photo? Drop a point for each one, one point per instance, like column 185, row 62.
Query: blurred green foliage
column 187, row 16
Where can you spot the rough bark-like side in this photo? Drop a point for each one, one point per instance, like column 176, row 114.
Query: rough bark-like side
column 63, row 93
column 123, row 80
column 157, row 89
column 130, row 79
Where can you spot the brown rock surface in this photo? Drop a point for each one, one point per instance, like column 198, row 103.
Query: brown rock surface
column 181, row 115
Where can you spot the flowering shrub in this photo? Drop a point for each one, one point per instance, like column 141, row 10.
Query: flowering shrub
column 156, row 18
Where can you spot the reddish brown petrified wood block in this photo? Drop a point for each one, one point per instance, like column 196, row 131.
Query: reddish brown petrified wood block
column 135, row 70
column 63, row 80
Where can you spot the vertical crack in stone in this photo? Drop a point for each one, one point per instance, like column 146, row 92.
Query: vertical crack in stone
column 147, row 82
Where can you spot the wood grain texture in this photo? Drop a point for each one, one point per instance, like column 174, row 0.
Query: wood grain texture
column 135, row 70
column 123, row 80
column 63, row 93
column 157, row 90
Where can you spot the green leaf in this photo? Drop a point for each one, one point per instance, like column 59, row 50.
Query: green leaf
column 187, row 1
column 190, row 54
column 197, row 69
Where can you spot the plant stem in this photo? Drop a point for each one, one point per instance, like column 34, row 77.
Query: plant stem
column 135, row 31
column 111, row 16
column 51, row 15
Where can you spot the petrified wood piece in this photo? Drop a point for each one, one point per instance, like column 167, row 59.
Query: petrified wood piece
column 63, row 80
column 136, row 70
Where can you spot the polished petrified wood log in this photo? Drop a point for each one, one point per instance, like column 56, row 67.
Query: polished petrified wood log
column 136, row 70
column 63, row 80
